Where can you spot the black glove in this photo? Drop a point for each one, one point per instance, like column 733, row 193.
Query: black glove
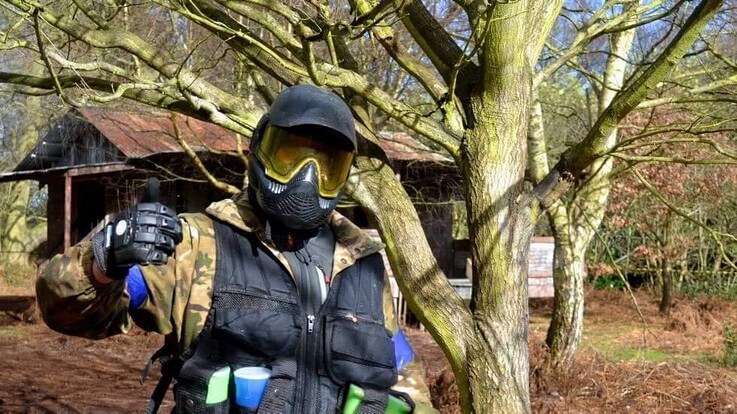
column 145, row 233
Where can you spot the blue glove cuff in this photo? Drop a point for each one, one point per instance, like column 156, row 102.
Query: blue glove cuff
column 402, row 350
column 136, row 286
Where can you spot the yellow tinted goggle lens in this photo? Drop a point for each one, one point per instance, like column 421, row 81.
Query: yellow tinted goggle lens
column 284, row 154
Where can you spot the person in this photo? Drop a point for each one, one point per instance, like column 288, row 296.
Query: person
column 272, row 277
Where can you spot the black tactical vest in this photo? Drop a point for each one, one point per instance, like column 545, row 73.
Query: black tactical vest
column 256, row 320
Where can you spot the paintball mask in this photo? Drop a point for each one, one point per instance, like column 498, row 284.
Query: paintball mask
column 301, row 155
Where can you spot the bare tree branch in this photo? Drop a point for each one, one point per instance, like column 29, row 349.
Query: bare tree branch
column 577, row 158
column 427, row 76
column 683, row 97
column 268, row 22
column 198, row 162
column 228, row 106
column 437, row 44
column 716, row 235
column 334, row 76
column 598, row 26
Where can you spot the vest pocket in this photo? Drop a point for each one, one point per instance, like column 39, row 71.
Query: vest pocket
column 359, row 352
column 259, row 325
column 190, row 390
column 218, row 408
column 188, row 402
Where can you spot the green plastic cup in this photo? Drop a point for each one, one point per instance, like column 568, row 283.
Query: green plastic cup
column 353, row 400
column 355, row 397
column 397, row 406
column 217, row 386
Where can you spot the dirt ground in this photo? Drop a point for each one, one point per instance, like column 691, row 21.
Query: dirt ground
column 671, row 367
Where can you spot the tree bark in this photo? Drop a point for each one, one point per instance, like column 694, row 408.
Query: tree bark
column 17, row 237
column 569, row 273
column 575, row 223
column 666, row 301
column 500, row 231
column 427, row 290
column 574, row 227
column 499, row 222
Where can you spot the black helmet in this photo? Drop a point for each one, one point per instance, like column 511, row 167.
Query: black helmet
column 301, row 153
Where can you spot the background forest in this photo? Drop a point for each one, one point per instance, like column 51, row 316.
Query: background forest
column 609, row 125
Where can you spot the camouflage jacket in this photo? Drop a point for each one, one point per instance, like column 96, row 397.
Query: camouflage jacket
column 179, row 293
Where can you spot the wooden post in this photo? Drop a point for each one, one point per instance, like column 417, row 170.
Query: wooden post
column 67, row 211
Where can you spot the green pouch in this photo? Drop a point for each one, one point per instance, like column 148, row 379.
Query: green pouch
column 217, row 386
column 355, row 396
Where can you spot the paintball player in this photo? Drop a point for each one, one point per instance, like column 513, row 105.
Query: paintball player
column 272, row 278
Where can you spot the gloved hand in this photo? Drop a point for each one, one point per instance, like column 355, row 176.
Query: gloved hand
column 145, row 233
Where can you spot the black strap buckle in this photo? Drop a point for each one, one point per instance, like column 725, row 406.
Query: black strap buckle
column 170, row 366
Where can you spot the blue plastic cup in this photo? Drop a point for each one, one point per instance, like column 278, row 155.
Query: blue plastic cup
column 250, row 383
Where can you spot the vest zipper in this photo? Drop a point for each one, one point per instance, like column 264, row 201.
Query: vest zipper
column 310, row 285
column 305, row 400
column 310, row 323
column 310, row 366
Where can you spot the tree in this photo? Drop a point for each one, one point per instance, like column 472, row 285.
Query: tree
column 679, row 211
column 16, row 237
column 603, row 51
column 574, row 221
column 20, row 230
column 476, row 73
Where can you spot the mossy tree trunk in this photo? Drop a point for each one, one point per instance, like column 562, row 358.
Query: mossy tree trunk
column 17, row 236
column 575, row 221
column 574, row 227
column 486, row 343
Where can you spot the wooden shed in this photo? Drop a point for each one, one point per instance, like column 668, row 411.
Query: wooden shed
column 95, row 162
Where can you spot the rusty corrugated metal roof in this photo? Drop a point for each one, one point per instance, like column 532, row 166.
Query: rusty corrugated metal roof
column 139, row 135
column 403, row 147
column 90, row 136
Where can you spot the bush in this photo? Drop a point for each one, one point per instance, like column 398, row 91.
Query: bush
column 20, row 275
column 724, row 287
column 608, row 282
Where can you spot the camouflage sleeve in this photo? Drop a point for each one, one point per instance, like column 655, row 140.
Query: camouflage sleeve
column 73, row 303
column 412, row 376
column 179, row 293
